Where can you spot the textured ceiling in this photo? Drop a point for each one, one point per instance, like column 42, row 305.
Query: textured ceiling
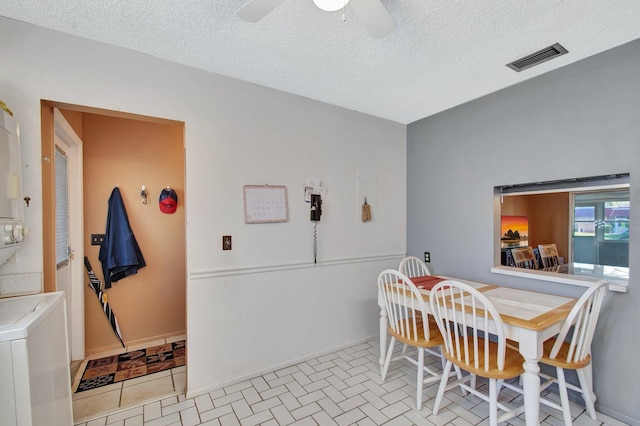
column 442, row 53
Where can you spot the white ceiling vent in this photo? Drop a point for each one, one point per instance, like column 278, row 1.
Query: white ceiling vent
column 537, row 58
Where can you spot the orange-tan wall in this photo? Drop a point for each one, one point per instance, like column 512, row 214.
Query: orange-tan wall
column 128, row 154
column 550, row 221
column 517, row 205
column 548, row 218
column 74, row 118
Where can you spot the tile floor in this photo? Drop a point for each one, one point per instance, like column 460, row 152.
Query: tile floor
column 130, row 393
column 341, row 388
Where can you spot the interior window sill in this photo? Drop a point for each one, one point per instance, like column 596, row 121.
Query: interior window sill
column 617, row 285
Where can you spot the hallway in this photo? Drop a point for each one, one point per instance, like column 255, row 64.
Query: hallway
column 129, row 393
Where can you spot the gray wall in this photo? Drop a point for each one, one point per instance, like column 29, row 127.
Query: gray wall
column 580, row 120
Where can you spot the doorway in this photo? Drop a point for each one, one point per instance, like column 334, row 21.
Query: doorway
column 115, row 149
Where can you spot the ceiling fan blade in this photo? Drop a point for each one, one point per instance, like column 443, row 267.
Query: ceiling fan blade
column 374, row 17
column 255, row 10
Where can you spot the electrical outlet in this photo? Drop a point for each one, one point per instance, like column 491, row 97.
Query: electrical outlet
column 226, row 242
column 427, row 257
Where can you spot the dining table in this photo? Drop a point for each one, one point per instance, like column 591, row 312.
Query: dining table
column 529, row 317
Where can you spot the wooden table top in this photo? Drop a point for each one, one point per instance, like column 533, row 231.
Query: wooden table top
column 522, row 308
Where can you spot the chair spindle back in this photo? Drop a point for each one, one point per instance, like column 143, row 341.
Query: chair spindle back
column 582, row 319
column 402, row 300
column 412, row 266
column 462, row 312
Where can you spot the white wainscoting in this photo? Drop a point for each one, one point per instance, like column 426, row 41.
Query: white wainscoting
column 249, row 321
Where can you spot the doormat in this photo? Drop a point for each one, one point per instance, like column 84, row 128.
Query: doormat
column 129, row 365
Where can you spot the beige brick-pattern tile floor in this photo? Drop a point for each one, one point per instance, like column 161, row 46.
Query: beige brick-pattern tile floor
column 341, row 388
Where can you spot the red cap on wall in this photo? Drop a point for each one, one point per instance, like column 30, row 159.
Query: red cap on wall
column 168, row 201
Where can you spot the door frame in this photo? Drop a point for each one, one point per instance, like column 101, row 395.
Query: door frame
column 55, row 126
column 75, row 309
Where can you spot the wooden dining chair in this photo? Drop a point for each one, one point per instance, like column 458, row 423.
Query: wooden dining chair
column 549, row 255
column 413, row 266
column 401, row 300
column 475, row 341
column 571, row 350
column 524, row 257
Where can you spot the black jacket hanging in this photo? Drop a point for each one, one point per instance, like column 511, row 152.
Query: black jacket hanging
column 119, row 252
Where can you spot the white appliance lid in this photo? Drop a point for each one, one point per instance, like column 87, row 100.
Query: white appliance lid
column 21, row 313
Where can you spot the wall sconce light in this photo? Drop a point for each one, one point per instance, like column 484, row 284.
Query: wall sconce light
column 143, row 195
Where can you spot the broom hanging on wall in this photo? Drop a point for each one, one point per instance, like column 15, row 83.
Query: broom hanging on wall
column 366, row 211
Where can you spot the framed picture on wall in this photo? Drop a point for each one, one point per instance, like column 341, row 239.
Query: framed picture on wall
column 514, row 231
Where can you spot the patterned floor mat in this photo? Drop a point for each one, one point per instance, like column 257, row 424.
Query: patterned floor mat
column 118, row 368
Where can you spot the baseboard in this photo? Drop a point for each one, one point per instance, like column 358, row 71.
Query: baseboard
column 191, row 393
column 618, row 416
column 138, row 342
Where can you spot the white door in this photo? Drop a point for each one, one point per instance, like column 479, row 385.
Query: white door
column 69, row 230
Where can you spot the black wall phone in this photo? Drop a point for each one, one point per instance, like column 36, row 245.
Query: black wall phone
column 316, row 207
column 316, row 212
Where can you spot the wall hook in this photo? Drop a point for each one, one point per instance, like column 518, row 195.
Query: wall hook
column 143, row 195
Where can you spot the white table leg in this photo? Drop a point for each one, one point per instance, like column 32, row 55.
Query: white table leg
column 531, row 349
column 531, row 384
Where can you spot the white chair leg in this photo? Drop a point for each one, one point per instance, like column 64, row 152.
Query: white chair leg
column 588, row 373
column 442, row 387
column 387, row 361
column 420, row 381
column 459, row 376
column 587, row 393
column 493, row 402
column 564, row 397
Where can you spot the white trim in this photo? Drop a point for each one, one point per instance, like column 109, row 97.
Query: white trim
column 224, row 272
column 64, row 133
column 576, row 280
column 568, row 189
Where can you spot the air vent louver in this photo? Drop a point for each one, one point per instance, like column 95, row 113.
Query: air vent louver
column 537, row 58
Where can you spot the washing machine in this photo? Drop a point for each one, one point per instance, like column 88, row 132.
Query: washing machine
column 35, row 378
